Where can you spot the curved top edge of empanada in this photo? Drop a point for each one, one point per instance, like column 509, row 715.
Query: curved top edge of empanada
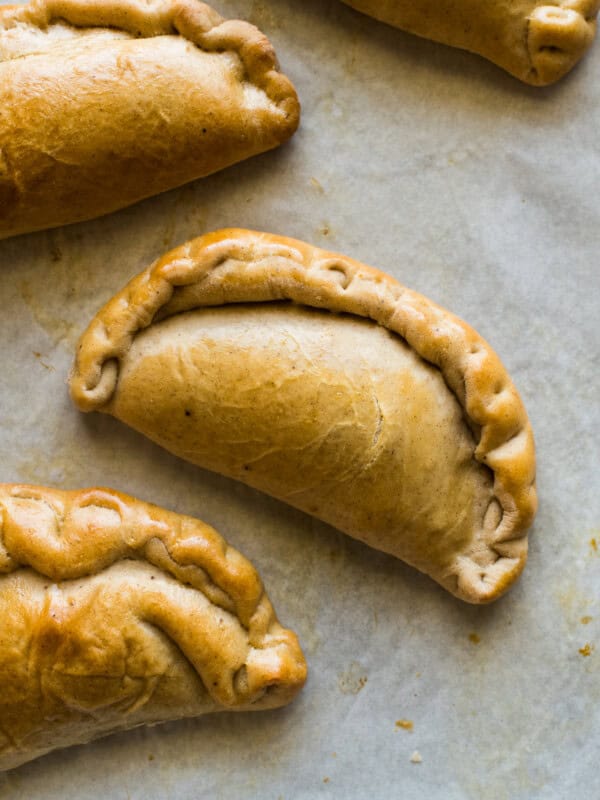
column 236, row 266
column 194, row 20
column 67, row 535
column 47, row 532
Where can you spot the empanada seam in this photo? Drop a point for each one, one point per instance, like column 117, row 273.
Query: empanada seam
column 165, row 636
column 261, row 633
column 518, row 56
column 132, row 554
column 196, row 18
column 304, row 274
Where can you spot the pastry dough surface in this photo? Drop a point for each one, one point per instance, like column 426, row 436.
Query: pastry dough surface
column 389, row 418
column 333, row 415
column 116, row 613
column 106, row 103
column 535, row 41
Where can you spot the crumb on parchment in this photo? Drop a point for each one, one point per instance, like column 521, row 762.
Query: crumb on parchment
column 416, row 757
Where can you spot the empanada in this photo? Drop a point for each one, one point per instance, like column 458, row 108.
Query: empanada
column 106, row 102
column 115, row 613
column 330, row 386
column 538, row 42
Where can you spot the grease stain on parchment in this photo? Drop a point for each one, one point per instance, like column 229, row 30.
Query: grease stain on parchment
column 573, row 602
column 325, row 230
column 327, row 104
column 571, row 594
column 56, row 327
column 309, row 637
column 353, row 679
column 182, row 216
column 41, row 467
column 317, row 185
column 40, row 357
column 263, row 16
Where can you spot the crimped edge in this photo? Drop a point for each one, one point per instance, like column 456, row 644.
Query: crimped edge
column 557, row 37
column 194, row 20
column 552, row 47
column 182, row 547
column 236, row 266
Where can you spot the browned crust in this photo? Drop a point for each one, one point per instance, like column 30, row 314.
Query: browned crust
column 195, row 21
column 186, row 549
column 234, row 266
column 27, row 196
column 555, row 34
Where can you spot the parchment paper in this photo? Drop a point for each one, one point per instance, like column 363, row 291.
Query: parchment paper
column 481, row 193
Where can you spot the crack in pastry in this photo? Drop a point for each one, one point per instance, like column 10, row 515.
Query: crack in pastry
column 536, row 42
column 105, row 103
column 116, row 613
column 328, row 385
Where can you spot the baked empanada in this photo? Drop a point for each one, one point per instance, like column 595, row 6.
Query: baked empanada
column 538, row 42
column 115, row 613
column 330, row 386
column 106, row 102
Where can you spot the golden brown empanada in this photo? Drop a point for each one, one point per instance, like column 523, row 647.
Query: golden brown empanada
column 116, row 613
column 106, row 102
column 330, row 386
column 538, row 42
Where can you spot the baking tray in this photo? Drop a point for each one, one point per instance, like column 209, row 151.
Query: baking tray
column 481, row 193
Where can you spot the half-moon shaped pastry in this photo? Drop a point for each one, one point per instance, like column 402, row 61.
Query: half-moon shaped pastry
column 115, row 613
column 106, row 102
column 330, row 386
column 538, row 42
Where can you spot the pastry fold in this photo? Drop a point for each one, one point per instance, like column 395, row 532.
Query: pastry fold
column 330, row 386
column 106, row 102
column 116, row 613
column 538, row 42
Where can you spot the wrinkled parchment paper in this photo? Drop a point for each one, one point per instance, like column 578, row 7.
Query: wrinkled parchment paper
column 483, row 194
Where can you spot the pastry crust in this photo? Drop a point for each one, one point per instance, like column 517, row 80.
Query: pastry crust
column 535, row 41
column 471, row 540
column 116, row 613
column 106, row 102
